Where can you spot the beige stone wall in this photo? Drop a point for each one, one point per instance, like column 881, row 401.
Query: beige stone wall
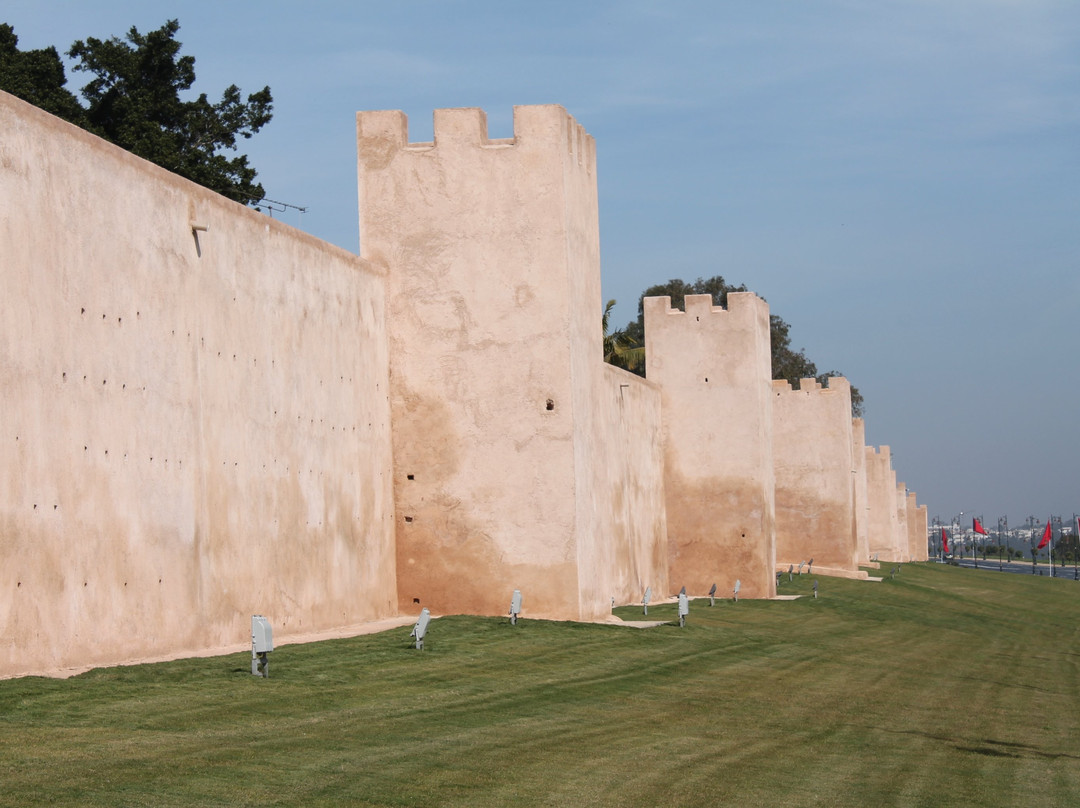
column 499, row 394
column 917, row 527
column 815, row 474
column 862, row 504
column 193, row 429
column 713, row 369
column 881, row 499
column 900, row 541
column 921, row 550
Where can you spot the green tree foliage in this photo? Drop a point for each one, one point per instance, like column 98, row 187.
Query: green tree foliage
column 37, row 77
column 135, row 100
column 620, row 349
column 787, row 363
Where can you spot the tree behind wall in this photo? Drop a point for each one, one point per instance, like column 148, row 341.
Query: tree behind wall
column 787, row 363
column 134, row 100
column 37, row 77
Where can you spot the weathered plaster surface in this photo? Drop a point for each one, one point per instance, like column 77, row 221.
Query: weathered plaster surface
column 712, row 366
column 815, row 474
column 862, row 504
column 193, row 428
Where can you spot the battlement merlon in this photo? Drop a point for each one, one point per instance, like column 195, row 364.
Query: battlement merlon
column 740, row 305
column 381, row 134
column 879, row 451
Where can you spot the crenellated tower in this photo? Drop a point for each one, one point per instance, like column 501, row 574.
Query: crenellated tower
column 713, row 367
column 491, row 253
column 815, row 474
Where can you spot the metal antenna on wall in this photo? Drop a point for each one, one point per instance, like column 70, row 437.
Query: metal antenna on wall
column 270, row 205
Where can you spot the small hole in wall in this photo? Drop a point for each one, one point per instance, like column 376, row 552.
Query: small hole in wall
column 706, row 380
column 416, row 600
column 698, row 319
column 550, row 405
column 82, row 311
column 410, row 476
column 407, row 518
column 744, row 535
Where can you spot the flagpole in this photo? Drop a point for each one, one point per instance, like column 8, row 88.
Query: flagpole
column 1008, row 542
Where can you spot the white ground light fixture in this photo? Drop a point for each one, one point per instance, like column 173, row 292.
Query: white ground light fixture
column 262, row 643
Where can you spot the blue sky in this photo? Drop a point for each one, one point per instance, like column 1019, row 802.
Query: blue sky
column 899, row 179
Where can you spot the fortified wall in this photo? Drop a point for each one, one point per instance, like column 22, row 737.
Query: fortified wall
column 713, row 368
column 207, row 414
column 194, row 424
column 815, row 474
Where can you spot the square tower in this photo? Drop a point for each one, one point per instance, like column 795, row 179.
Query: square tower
column 815, row 474
column 491, row 253
column 713, row 367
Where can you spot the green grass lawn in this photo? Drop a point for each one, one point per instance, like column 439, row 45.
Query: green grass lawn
column 942, row 687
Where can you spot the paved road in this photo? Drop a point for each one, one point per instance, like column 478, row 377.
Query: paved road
column 1019, row 568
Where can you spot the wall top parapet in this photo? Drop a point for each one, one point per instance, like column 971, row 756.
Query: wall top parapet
column 835, row 385
column 380, row 133
column 697, row 306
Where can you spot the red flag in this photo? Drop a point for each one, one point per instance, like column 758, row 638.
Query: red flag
column 944, row 542
column 1046, row 536
column 978, row 528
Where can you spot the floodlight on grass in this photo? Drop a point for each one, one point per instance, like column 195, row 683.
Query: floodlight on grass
column 712, row 595
column 801, row 565
column 262, row 643
column 810, row 567
column 645, row 600
column 815, row 587
column 420, row 629
column 738, row 586
column 684, row 608
column 515, row 607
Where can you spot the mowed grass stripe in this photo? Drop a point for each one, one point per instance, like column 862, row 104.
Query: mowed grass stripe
column 941, row 687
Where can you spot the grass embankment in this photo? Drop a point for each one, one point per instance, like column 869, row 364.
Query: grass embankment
column 942, row 687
